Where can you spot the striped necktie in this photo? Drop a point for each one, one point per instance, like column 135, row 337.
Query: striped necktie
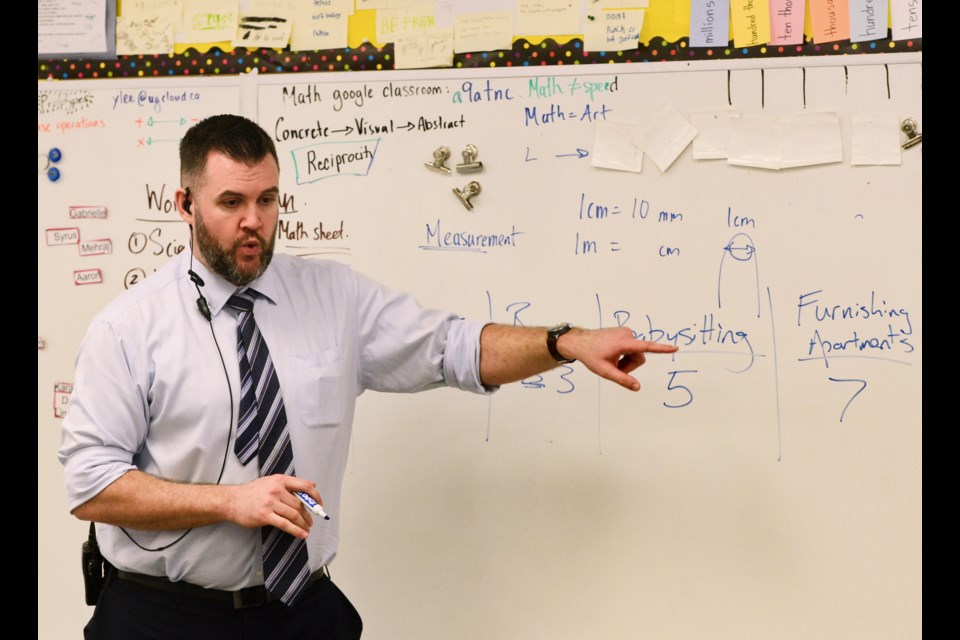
column 262, row 431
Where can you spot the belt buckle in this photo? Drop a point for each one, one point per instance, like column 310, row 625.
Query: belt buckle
column 250, row 597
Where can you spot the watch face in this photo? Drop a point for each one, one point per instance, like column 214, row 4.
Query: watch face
column 553, row 334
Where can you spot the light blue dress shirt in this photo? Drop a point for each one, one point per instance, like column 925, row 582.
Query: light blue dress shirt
column 150, row 393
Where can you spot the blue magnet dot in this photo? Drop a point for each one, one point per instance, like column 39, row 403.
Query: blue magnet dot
column 53, row 174
column 55, row 155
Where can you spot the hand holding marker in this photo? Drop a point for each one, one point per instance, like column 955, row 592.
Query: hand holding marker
column 311, row 504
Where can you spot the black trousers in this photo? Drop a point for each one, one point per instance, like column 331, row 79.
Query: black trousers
column 129, row 611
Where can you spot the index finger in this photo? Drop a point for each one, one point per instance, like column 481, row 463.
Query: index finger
column 645, row 346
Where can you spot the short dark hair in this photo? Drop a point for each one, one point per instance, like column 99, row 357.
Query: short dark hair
column 234, row 136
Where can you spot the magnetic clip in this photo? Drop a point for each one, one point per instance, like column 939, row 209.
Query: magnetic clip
column 469, row 191
column 470, row 163
column 440, row 157
column 914, row 137
column 45, row 163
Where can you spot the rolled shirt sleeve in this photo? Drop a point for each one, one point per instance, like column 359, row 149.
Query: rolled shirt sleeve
column 106, row 419
column 404, row 347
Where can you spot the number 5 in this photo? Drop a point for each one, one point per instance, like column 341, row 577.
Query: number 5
column 679, row 387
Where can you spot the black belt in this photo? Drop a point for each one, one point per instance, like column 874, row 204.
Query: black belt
column 248, row 597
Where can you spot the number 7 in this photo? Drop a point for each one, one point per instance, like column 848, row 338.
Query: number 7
column 859, row 391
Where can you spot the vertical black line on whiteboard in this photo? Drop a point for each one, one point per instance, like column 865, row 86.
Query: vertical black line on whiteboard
column 846, row 80
column 776, row 375
column 599, row 382
column 729, row 98
column 763, row 90
column 490, row 397
column 886, row 69
column 804, row 69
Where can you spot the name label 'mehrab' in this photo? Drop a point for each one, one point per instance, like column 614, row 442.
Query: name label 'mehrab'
column 96, row 247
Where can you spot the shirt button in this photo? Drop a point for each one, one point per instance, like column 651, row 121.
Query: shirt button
column 259, row 573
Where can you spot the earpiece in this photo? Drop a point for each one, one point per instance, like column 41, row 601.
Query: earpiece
column 187, row 202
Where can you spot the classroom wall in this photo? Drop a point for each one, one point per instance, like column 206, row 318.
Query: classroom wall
column 668, row 34
column 765, row 482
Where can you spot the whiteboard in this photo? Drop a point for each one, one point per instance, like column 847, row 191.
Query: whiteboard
column 765, row 482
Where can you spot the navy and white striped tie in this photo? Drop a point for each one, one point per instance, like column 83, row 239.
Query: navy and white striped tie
column 262, row 431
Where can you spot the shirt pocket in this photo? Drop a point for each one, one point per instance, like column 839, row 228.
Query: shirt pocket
column 319, row 380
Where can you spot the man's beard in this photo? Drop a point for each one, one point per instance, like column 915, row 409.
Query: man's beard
column 223, row 261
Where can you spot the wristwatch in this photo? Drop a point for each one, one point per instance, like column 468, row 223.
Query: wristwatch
column 553, row 334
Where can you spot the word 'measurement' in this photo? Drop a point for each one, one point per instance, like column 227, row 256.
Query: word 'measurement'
column 459, row 240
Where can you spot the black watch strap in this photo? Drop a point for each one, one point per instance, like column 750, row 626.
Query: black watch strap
column 553, row 334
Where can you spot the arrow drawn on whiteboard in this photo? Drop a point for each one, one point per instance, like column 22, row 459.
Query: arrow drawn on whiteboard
column 742, row 249
column 741, row 253
column 581, row 153
column 179, row 121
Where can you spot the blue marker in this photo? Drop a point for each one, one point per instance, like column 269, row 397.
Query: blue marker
column 311, row 504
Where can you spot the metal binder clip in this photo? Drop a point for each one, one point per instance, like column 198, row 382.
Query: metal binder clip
column 914, row 137
column 472, row 189
column 470, row 163
column 439, row 158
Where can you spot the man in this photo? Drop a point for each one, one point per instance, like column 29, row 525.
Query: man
column 229, row 354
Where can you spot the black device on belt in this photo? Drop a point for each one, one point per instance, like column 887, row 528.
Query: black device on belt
column 93, row 567
column 240, row 599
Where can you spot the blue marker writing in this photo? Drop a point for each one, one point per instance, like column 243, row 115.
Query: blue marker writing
column 311, row 504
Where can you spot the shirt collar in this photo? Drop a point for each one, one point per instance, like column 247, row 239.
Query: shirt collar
column 217, row 290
